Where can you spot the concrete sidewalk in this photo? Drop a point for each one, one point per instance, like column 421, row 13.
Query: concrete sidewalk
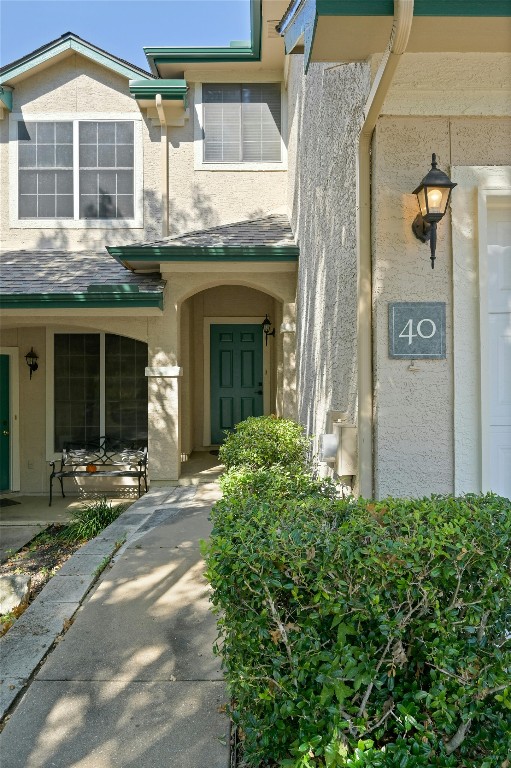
column 133, row 682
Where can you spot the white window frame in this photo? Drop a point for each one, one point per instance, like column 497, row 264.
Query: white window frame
column 51, row 453
column 201, row 165
column 136, row 222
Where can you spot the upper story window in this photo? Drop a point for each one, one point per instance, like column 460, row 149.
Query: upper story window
column 242, row 123
column 50, row 170
column 85, row 171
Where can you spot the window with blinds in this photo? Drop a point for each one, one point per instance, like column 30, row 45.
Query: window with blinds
column 242, row 122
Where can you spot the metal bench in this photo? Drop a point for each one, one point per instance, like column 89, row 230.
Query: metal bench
column 104, row 458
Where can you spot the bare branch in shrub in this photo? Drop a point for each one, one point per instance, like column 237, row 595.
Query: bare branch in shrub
column 458, row 738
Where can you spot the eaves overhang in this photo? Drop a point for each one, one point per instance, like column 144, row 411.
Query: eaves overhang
column 148, row 256
column 354, row 30
column 121, row 297
column 170, row 90
column 236, row 52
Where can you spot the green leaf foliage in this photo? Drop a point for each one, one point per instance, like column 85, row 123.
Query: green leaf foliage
column 90, row 519
column 262, row 441
column 363, row 634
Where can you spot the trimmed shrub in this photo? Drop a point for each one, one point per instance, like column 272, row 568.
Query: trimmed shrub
column 359, row 633
column 262, row 441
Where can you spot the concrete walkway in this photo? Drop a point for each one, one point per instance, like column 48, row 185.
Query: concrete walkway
column 133, row 682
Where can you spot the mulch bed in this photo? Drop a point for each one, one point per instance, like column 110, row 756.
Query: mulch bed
column 41, row 558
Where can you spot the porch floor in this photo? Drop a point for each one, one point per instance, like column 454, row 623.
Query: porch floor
column 200, row 467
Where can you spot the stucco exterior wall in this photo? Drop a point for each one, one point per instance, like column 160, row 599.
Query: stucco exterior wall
column 77, row 86
column 414, row 410
column 202, row 198
column 325, row 115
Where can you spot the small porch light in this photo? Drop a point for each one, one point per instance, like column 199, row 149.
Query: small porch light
column 32, row 358
column 433, row 195
column 266, row 328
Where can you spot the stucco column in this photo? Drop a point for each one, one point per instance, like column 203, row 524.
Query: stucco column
column 164, row 379
column 287, row 397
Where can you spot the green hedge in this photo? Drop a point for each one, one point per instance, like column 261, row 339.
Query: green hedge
column 262, row 441
column 363, row 633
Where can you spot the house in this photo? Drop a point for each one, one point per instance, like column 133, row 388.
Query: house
column 152, row 220
column 159, row 340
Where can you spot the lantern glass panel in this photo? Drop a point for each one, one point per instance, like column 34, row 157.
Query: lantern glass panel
column 421, row 197
column 437, row 199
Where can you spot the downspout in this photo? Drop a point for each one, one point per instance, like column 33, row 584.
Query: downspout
column 164, row 161
column 403, row 17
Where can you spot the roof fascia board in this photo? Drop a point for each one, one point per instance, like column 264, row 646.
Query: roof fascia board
column 194, row 253
column 170, row 90
column 85, row 300
column 466, row 8
column 166, row 55
column 35, row 60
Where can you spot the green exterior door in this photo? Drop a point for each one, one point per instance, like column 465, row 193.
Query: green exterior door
column 236, row 376
column 5, row 463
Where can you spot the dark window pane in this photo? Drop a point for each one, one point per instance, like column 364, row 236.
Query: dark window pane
column 125, row 207
column 27, row 207
column 124, row 156
column 76, row 396
column 125, row 388
column 46, row 133
column 106, row 156
column 106, row 208
column 124, row 132
column 88, row 132
column 88, row 156
column 46, row 207
column 46, row 182
column 28, row 182
column 64, row 182
column 88, row 182
column 26, row 156
column 45, row 156
column 64, row 158
column 88, row 207
column 124, row 182
column 64, row 206
column 106, row 133
column 107, row 182
column 64, row 133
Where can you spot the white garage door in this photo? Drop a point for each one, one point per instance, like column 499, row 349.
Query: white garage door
column 499, row 348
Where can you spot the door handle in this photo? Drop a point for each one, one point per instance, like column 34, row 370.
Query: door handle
column 5, row 432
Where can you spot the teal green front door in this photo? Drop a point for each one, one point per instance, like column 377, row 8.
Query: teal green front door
column 5, row 462
column 236, row 376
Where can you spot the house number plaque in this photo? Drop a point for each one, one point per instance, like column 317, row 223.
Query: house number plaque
column 417, row 330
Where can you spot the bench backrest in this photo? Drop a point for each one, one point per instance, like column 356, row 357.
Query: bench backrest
column 104, row 452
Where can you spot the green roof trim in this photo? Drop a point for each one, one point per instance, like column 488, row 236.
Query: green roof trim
column 421, row 8
column 170, row 90
column 239, row 51
column 92, row 299
column 69, row 41
column 162, row 253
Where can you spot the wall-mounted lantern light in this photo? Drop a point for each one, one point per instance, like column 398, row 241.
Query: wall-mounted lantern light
column 32, row 358
column 266, row 328
column 433, row 194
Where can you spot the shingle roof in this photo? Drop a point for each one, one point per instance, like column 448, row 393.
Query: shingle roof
column 36, row 272
column 270, row 231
